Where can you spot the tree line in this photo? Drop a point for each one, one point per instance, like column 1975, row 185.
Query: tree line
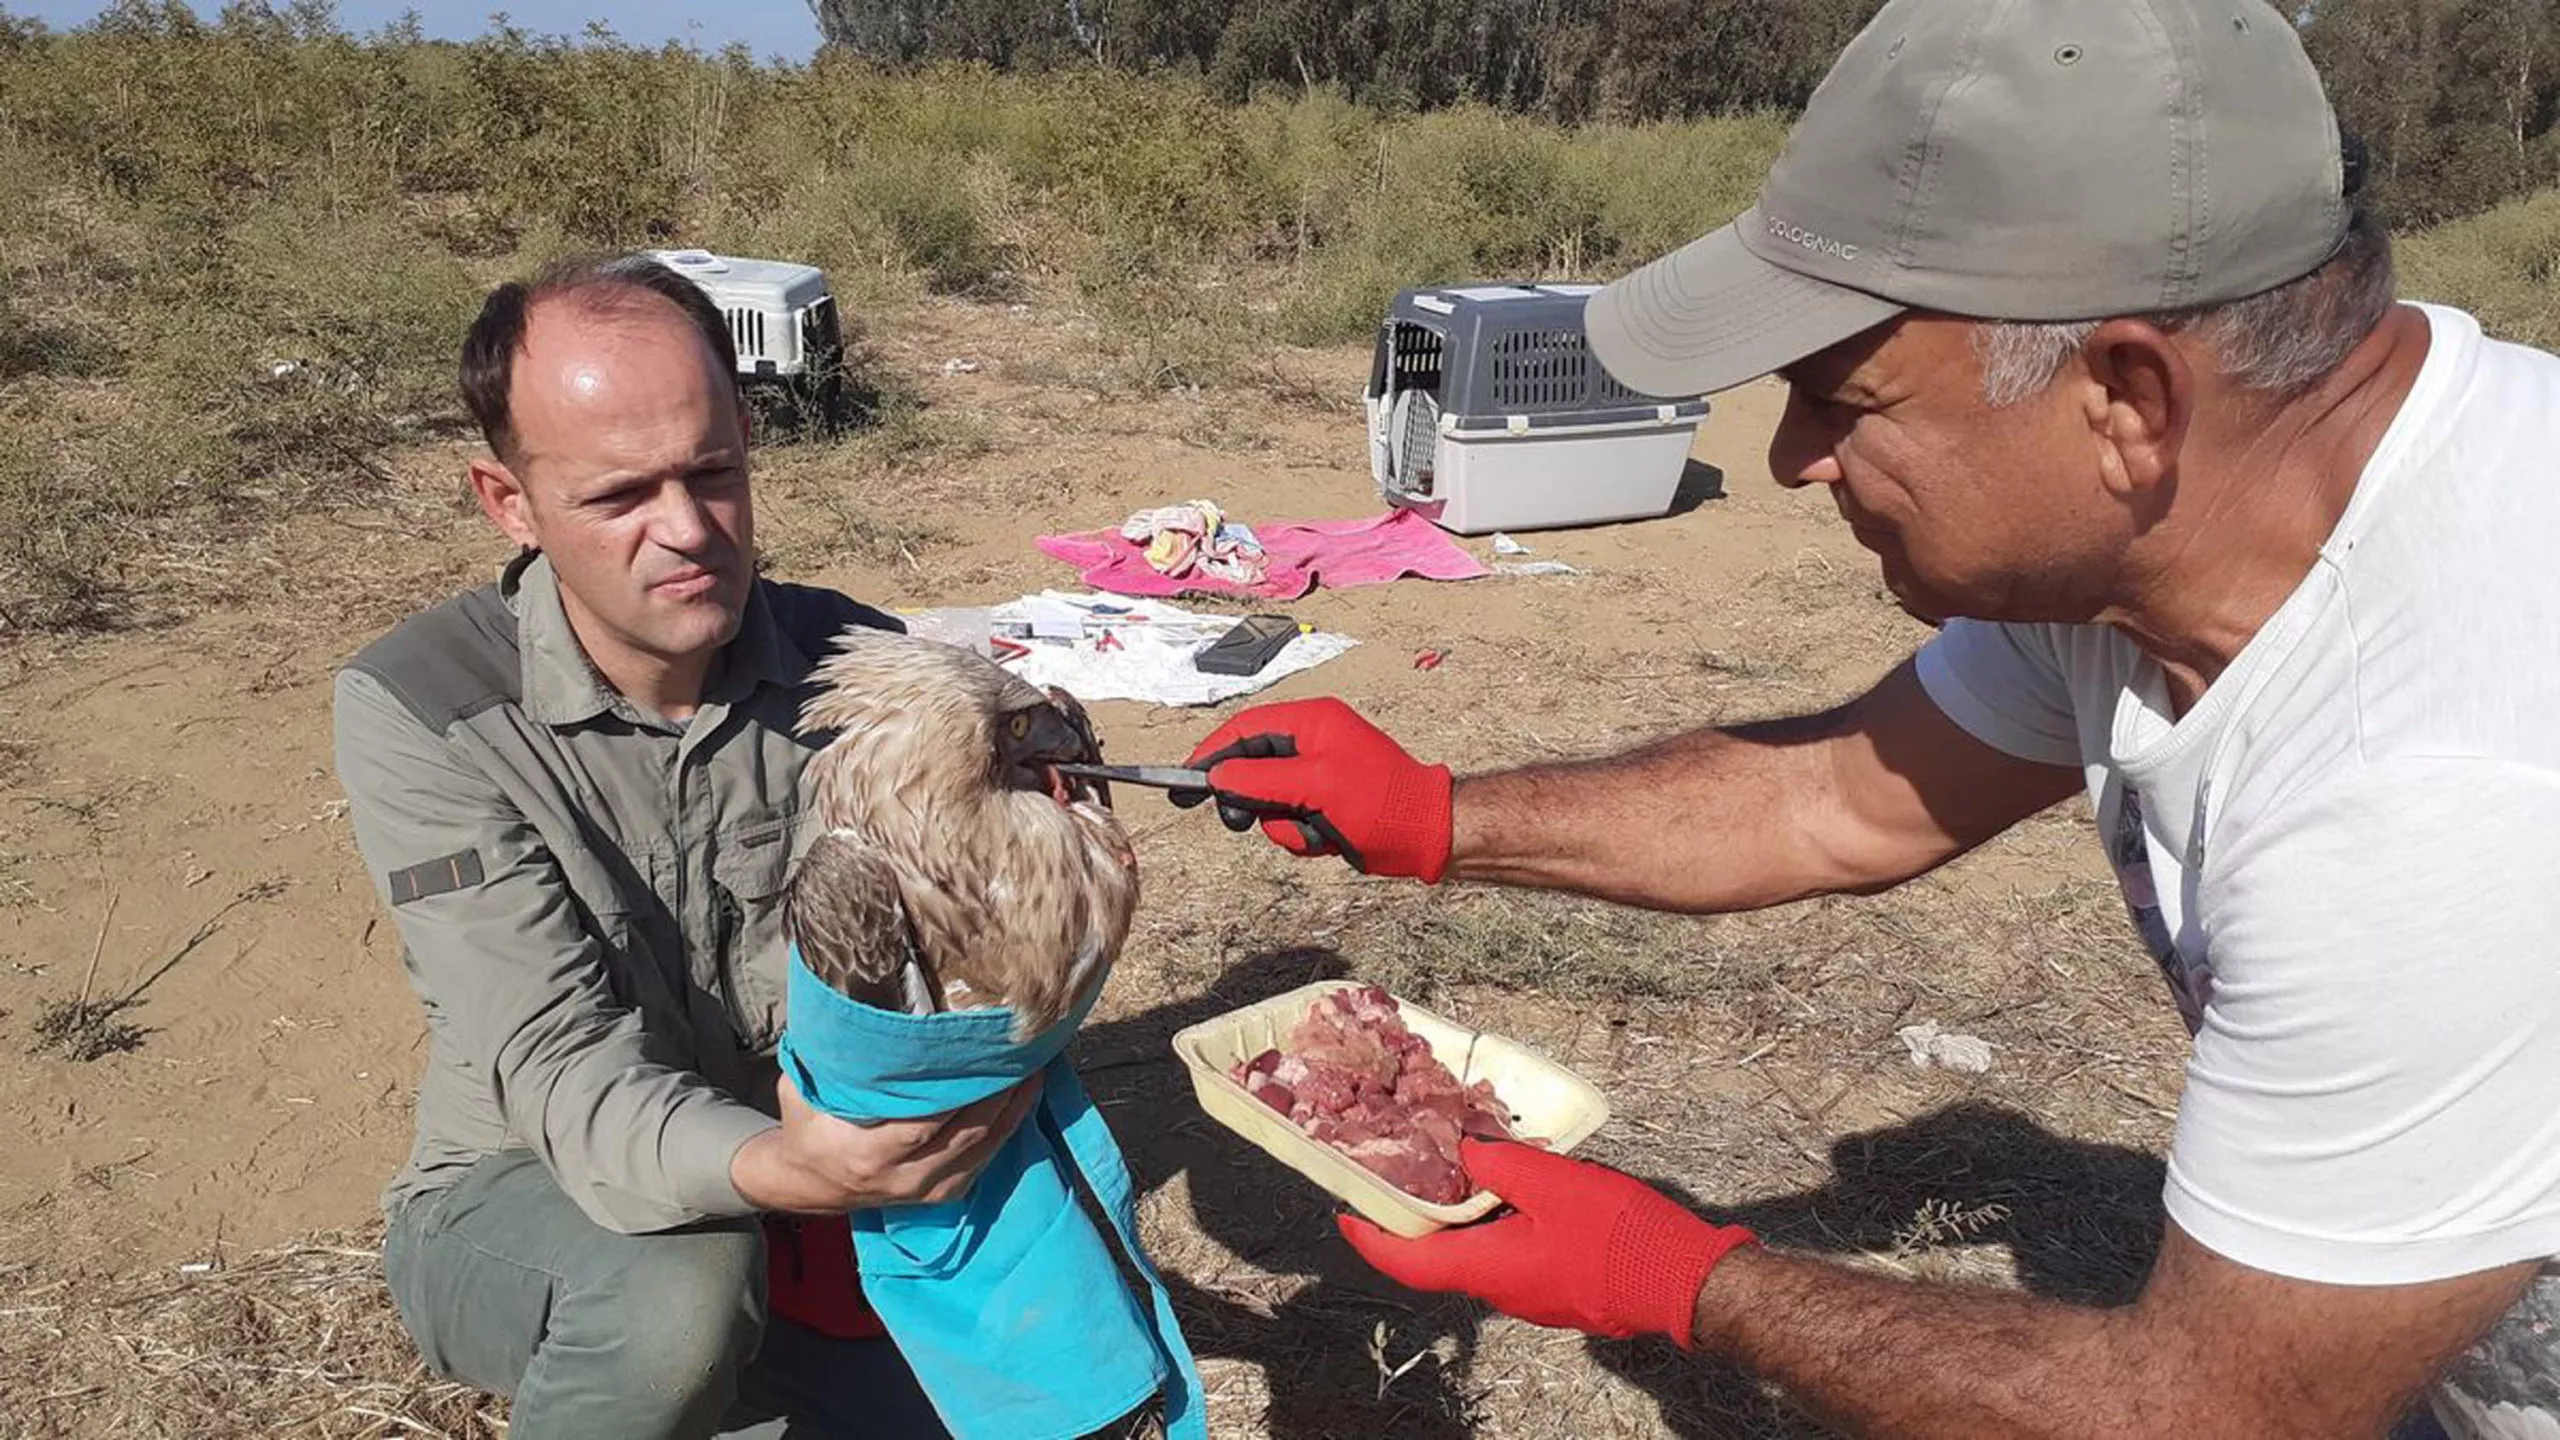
column 2456, row 100
column 1560, row 59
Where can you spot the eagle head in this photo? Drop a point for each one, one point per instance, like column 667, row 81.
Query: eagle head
column 916, row 728
column 952, row 851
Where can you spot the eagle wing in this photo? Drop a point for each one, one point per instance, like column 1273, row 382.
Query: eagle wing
column 845, row 911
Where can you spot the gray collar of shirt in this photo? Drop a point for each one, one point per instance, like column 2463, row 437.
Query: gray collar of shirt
column 562, row 687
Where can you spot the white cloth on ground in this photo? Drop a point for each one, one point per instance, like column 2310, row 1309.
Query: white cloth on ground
column 1150, row 655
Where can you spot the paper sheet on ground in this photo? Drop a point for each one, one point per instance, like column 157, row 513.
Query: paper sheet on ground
column 1148, row 657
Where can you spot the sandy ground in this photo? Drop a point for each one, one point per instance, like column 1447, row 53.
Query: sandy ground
column 169, row 814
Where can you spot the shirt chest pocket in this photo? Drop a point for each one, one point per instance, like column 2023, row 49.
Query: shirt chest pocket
column 618, row 895
column 750, row 875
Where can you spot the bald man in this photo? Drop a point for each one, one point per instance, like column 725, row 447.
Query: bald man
column 577, row 790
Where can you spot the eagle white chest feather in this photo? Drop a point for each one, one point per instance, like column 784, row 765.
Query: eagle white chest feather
column 957, row 869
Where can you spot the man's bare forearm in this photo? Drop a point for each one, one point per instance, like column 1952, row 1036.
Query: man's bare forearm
column 1704, row 822
column 1877, row 1356
column 2213, row 1348
column 1854, row 799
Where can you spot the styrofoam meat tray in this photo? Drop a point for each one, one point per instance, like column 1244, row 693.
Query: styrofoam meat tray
column 1546, row 1100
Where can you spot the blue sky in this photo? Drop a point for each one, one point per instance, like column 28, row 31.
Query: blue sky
column 769, row 27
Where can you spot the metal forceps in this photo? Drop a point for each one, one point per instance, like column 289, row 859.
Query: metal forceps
column 1186, row 786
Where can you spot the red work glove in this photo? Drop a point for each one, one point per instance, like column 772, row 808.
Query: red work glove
column 1588, row 1248
column 1323, row 781
column 810, row 1276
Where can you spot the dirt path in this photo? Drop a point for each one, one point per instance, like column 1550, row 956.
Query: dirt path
column 182, row 780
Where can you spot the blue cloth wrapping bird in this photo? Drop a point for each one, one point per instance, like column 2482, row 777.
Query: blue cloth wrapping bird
column 1007, row 1302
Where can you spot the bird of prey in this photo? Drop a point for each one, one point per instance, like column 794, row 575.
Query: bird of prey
column 956, row 868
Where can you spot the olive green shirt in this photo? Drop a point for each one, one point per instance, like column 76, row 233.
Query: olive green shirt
column 589, row 895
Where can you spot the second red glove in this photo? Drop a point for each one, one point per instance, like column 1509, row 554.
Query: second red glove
column 1324, row 781
column 1588, row 1248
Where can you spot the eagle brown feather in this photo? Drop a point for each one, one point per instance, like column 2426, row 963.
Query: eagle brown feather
column 936, row 867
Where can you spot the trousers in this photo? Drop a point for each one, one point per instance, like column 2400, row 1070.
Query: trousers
column 507, row 1286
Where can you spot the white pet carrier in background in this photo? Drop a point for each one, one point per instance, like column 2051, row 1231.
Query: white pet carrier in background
column 1488, row 411
column 781, row 315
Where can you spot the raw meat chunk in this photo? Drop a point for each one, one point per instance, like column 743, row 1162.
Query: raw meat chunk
column 1352, row 1076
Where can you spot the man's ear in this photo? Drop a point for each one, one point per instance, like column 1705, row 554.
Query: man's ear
column 2140, row 399
column 503, row 500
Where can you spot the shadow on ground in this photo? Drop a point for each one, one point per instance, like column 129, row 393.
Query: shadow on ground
column 1700, row 482
column 2081, row 1220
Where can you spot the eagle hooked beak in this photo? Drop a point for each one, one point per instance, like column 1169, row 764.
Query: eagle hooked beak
column 1033, row 742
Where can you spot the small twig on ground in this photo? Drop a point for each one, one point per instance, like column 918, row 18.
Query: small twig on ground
column 263, row 890
column 84, row 1029
column 99, row 950
column 1390, row 1374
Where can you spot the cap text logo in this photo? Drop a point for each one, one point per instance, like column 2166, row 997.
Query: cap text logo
column 1799, row 236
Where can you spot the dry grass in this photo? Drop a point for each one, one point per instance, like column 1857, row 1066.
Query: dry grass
column 14, row 890
column 91, row 1025
column 2502, row 265
column 300, row 1341
column 862, row 501
column 234, row 258
column 83, row 1029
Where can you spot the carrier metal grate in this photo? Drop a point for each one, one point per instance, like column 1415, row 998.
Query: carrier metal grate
column 1417, row 443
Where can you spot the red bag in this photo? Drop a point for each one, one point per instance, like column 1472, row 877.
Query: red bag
column 810, row 1277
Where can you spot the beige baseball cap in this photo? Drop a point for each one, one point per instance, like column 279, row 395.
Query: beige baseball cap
column 2005, row 159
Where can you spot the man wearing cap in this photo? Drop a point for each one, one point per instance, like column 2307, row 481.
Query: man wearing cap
column 2089, row 338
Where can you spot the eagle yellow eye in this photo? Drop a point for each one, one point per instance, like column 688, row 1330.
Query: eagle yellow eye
column 1021, row 725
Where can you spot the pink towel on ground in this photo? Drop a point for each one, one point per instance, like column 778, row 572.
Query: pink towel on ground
column 1336, row 554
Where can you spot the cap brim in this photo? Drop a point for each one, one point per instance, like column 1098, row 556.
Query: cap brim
column 1711, row 315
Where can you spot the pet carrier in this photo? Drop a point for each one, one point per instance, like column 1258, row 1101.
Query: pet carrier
column 1488, row 411
column 781, row 315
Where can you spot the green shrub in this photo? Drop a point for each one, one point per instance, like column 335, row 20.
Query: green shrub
column 2503, row 266
column 917, row 200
